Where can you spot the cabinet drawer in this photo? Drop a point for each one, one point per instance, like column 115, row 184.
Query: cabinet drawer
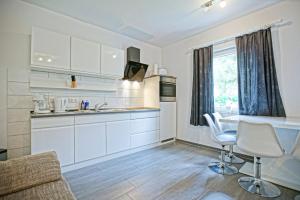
column 143, row 125
column 89, row 119
column 142, row 139
column 48, row 122
column 140, row 115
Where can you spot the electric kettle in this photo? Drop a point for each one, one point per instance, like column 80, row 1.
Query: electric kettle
column 60, row 104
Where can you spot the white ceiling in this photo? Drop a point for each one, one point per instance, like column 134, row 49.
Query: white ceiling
column 159, row 22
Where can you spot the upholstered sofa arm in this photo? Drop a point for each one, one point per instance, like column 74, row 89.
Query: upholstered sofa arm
column 28, row 171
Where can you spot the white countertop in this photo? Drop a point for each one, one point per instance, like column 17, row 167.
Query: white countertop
column 277, row 122
column 93, row 112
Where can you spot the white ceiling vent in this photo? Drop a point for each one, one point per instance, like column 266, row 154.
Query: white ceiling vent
column 133, row 32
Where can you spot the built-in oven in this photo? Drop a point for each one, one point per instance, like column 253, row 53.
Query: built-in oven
column 167, row 89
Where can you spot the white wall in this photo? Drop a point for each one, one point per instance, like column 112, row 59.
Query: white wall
column 16, row 21
column 286, row 46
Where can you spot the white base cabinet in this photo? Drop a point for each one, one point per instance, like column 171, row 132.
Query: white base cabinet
column 90, row 141
column 118, row 136
column 80, row 139
column 58, row 139
column 141, row 139
column 167, row 120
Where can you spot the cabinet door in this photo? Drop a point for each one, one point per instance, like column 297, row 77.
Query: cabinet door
column 167, row 120
column 141, row 139
column 58, row 139
column 112, row 61
column 85, row 56
column 118, row 136
column 50, row 49
column 90, row 141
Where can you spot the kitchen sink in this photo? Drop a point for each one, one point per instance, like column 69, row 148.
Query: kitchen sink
column 111, row 110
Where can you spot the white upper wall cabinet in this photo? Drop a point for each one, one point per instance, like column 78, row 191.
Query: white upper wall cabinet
column 112, row 61
column 50, row 49
column 85, row 56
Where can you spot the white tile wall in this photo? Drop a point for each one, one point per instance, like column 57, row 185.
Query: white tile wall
column 3, row 107
column 18, row 115
column 19, row 101
column 18, row 128
column 18, row 75
column 19, row 105
column 18, row 88
column 14, row 153
column 18, row 141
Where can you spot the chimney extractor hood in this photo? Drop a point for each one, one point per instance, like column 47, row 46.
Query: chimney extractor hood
column 134, row 70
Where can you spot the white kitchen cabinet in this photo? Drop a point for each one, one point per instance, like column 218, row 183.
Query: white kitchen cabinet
column 143, row 125
column 117, row 136
column 50, row 49
column 58, row 139
column 142, row 139
column 85, row 56
column 167, row 120
column 112, row 61
column 140, row 115
column 90, row 141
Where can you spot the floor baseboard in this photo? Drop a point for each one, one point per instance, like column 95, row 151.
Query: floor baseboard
column 202, row 146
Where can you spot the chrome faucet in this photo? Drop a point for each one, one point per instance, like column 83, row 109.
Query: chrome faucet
column 98, row 106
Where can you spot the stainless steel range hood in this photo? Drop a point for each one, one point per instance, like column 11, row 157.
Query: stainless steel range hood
column 134, row 70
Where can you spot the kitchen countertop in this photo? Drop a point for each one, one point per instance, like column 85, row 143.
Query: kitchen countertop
column 93, row 112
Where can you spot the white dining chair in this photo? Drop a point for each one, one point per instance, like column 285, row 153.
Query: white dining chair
column 259, row 140
column 221, row 167
column 229, row 157
column 296, row 154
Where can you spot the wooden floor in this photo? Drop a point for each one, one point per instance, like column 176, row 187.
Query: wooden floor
column 172, row 171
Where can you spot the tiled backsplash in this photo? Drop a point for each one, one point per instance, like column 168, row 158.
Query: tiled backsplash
column 19, row 100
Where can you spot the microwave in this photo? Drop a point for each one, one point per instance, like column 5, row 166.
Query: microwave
column 167, row 89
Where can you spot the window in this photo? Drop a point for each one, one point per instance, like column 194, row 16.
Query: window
column 225, row 82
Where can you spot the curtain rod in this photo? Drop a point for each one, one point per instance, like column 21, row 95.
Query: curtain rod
column 277, row 23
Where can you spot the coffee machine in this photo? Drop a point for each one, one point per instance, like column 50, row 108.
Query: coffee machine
column 41, row 104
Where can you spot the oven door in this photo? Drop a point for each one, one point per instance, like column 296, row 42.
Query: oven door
column 167, row 92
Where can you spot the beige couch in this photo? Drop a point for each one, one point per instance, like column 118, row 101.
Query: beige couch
column 33, row 177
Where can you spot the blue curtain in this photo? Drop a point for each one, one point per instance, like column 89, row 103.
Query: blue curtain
column 203, row 87
column 258, row 86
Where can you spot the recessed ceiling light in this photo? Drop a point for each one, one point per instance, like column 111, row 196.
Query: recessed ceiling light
column 40, row 59
column 114, row 56
column 49, row 60
column 222, row 3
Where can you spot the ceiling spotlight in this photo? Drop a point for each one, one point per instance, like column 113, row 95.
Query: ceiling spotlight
column 206, row 6
column 222, row 3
